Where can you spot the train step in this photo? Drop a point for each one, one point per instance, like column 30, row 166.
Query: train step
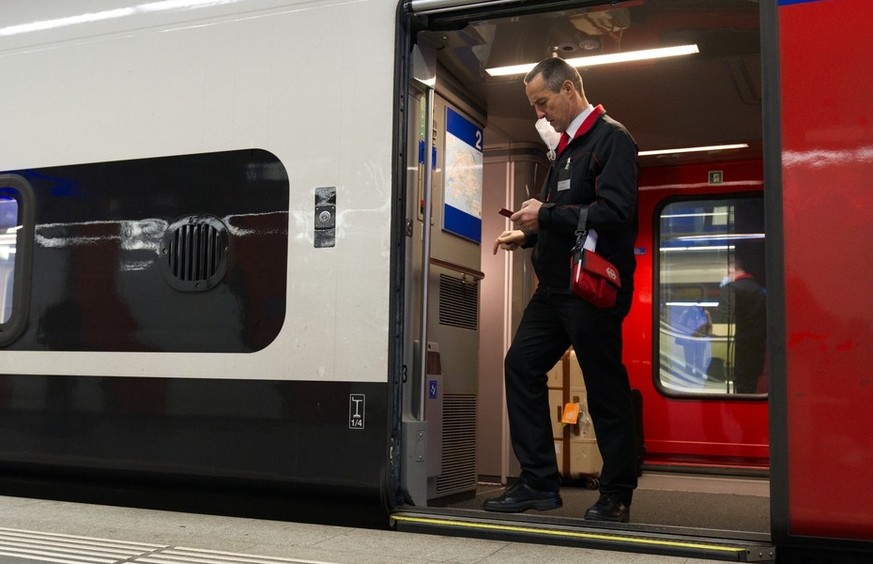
column 578, row 533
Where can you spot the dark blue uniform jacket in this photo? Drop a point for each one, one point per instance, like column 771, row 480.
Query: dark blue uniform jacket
column 598, row 170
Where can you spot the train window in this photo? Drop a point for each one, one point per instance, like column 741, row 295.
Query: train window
column 712, row 294
column 16, row 240
column 9, row 226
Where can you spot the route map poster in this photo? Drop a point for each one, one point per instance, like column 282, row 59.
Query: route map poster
column 462, row 193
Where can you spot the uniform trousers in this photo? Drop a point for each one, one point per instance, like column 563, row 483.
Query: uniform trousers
column 551, row 322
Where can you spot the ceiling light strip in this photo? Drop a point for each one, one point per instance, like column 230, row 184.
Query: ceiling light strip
column 694, row 149
column 611, row 58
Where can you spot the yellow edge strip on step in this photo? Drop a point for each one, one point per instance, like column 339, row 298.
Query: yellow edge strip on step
column 571, row 534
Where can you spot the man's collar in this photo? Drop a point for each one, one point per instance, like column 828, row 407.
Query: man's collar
column 573, row 127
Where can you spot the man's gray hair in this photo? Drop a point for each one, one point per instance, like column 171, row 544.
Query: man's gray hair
column 555, row 71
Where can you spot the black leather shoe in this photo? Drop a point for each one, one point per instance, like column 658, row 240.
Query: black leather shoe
column 608, row 508
column 521, row 497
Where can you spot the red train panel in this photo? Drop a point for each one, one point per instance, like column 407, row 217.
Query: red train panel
column 827, row 143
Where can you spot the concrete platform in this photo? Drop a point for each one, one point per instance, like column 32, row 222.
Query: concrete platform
column 43, row 531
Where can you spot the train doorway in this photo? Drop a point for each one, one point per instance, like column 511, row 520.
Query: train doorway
column 472, row 148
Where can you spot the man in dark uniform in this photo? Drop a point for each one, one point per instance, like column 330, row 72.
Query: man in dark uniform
column 743, row 302
column 595, row 168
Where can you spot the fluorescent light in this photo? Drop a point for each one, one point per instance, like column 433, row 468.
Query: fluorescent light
column 643, row 55
column 692, row 214
column 694, row 149
column 719, row 237
column 686, row 304
column 697, row 249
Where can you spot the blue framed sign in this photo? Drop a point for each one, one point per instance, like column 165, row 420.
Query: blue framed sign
column 462, row 190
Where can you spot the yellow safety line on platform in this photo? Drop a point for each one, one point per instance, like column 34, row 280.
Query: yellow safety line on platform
column 572, row 534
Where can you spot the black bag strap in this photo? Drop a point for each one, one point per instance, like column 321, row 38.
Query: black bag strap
column 582, row 227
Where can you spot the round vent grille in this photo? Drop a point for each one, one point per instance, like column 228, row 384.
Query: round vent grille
column 194, row 253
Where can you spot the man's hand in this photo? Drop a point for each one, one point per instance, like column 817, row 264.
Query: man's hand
column 527, row 218
column 509, row 240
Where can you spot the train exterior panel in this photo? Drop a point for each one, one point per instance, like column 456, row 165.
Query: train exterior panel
column 166, row 79
column 246, row 349
column 826, row 215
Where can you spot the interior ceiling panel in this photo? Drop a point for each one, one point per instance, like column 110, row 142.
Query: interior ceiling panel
column 710, row 98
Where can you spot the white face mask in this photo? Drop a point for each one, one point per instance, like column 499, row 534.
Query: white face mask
column 549, row 135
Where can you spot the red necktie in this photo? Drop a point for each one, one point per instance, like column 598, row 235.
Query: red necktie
column 562, row 144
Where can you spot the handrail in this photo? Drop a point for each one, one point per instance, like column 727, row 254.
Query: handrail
column 477, row 274
column 421, row 376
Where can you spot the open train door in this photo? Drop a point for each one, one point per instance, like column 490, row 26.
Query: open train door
column 443, row 228
column 454, row 420
column 458, row 131
column 822, row 501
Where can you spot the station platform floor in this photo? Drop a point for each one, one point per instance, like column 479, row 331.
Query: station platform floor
column 37, row 531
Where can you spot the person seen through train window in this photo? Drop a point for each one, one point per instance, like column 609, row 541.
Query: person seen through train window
column 744, row 301
column 694, row 325
column 597, row 170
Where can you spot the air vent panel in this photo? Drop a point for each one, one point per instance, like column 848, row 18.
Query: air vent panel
column 459, row 302
column 194, row 253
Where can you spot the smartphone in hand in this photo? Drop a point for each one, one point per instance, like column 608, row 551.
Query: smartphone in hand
column 505, row 212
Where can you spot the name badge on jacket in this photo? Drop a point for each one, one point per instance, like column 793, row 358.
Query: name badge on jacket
column 564, row 177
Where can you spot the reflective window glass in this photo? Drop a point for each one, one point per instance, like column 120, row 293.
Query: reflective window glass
column 9, row 226
column 712, row 297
